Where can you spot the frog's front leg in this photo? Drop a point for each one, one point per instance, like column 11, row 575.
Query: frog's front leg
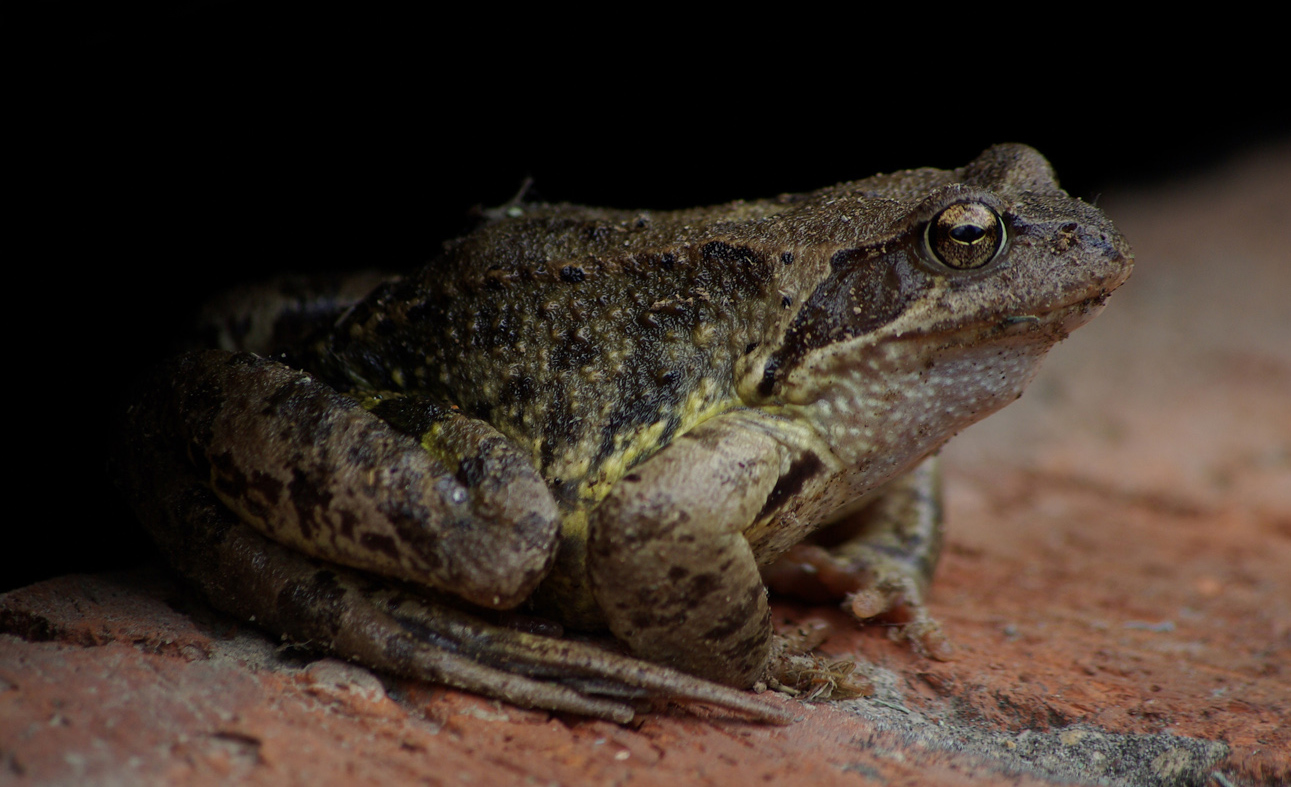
column 668, row 560
column 880, row 559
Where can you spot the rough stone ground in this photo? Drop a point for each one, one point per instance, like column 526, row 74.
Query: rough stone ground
column 1116, row 582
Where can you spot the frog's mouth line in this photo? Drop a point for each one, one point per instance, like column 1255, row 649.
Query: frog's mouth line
column 1065, row 317
column 1058, row 322
column 1060, row 319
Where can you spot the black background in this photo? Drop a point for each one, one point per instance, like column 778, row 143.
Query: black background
column 176, row 151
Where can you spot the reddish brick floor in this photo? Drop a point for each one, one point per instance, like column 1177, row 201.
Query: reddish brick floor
column 1116, row 582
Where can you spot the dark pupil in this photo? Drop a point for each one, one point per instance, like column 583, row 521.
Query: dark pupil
column 967, row 233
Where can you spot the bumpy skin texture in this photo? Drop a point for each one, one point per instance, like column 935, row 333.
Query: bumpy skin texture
column 623, row 416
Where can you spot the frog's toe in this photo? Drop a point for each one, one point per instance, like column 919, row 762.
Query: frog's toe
column 927, row 638
column 533, row 670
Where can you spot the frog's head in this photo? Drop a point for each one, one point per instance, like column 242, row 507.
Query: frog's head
column 938, row 313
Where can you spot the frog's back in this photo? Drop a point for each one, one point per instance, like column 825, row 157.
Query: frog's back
column 590, row 337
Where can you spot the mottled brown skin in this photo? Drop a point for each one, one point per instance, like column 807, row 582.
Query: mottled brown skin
column 624, row 417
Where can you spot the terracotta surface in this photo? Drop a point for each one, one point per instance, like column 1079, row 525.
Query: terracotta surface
column 1116, row 582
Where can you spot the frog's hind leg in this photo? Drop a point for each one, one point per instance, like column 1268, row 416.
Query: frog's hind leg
column 880, row 560
column 462, row 510
column 364, row 619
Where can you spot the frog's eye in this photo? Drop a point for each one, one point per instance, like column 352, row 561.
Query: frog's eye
column 965, row 236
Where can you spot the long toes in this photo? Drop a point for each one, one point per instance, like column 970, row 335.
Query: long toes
column 450, row 646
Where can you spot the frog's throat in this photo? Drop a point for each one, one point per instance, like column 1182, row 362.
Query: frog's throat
column 901, row 400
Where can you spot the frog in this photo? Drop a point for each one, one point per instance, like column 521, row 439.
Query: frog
column 580, row 420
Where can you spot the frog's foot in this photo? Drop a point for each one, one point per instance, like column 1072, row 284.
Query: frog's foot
column 871, row 586
column 879, row 561
column 527, row 669
column 899, row 598
column 795, row 670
